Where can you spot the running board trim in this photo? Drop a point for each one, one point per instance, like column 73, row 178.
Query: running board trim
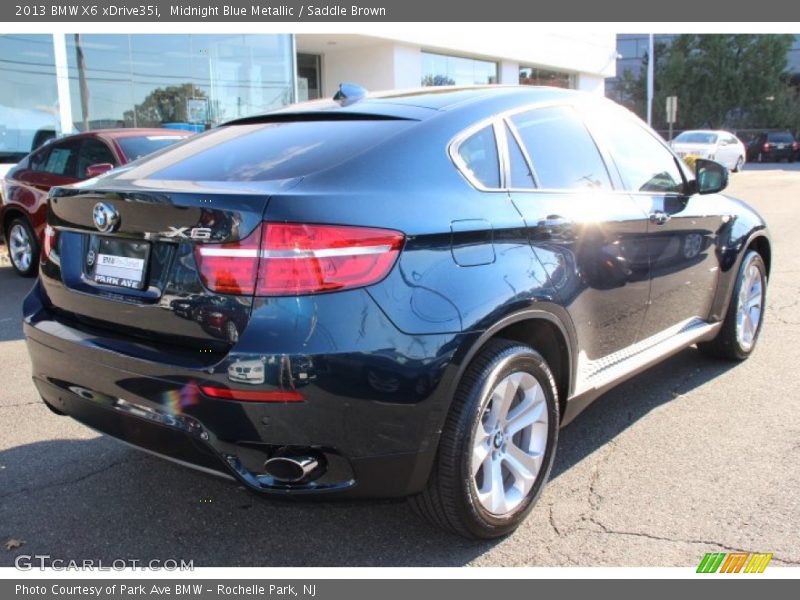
column 602, row 372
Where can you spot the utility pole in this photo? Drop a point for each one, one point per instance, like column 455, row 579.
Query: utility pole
column 82, row 84
column 650, row 75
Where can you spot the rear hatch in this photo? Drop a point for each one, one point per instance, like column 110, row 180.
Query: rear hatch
column 142, row 277
column 160, row 250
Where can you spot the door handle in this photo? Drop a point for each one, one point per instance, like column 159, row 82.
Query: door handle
column 659, row 217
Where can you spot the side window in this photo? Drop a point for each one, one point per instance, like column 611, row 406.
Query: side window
column 62, row 159
column 563, row 153
column 643, row 162
column 39, row 159
column 478, row 154
column 93, row 152
column 521, row 176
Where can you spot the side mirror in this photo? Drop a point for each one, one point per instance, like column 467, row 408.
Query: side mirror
column 98, row 169
column 712, row 177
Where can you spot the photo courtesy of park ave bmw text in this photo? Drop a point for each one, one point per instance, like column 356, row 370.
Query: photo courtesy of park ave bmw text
column 383, row 284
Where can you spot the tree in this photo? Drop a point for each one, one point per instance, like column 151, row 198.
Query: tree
column 430, row 80
column 163, row 105
column 722, row 81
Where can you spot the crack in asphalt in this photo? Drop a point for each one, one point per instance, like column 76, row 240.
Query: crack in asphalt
column 595, row 497
column 775, row 312
column 73, row 481
column 553, row 522
column 608, row 531
column 31, row 403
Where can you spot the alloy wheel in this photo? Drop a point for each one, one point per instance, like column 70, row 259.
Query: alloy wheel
column 509, row 443
column 749, row 306
column 20, row 247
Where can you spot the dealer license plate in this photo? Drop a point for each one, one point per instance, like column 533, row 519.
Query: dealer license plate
column 120, row 263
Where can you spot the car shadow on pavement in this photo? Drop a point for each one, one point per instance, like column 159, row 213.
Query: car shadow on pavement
column 96, row 498
column 624, row 405
column 13, row 290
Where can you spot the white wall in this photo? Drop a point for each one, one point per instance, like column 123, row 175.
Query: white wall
column 407, row 66
column 508, row 72
column 384, row 65
column 591, row 83
column 369, row 66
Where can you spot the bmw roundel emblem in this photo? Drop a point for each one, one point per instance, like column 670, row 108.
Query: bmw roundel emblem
column 105, row 217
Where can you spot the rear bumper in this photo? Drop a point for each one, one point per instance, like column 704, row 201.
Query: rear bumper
column 373, row 415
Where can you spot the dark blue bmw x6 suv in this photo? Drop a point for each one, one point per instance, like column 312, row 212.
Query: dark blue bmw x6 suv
column 393, row 295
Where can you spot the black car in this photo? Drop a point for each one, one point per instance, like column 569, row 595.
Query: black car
column 427, row 286
column 773, row 146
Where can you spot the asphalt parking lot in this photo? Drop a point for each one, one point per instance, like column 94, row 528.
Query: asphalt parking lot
column 694, row 456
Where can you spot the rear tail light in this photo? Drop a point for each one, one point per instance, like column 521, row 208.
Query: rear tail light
column 795, row 145
column 230, row 268
column 49, row 242
column 766, row 147
column 288, row 259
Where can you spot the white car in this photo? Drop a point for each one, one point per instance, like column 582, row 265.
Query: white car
column 721, row 146
column 247, row 371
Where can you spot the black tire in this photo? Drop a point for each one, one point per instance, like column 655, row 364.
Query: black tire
column 33, row 267
column 739, row 164
column 727, row 344
column 449, row 500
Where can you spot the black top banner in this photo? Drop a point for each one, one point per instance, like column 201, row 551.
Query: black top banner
column 172, row 11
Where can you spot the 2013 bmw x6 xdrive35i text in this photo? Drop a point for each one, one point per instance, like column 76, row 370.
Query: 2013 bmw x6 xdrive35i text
column 395, row 295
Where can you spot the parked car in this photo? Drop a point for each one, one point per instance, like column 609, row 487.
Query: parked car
column 61, row 162
column 773, row 146
column 223, row 317
column 440, row 257
column 721, row 146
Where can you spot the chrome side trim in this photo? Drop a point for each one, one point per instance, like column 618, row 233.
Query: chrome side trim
column 598, row 373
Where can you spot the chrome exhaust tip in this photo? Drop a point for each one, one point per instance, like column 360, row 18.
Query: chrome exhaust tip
column 291, row 469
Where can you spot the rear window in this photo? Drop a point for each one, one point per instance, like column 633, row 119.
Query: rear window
column 780, row 138
column 696, row 137
column 137, row 146
column 268, row 151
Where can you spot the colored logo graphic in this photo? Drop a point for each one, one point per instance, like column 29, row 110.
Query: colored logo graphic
column 735, row 562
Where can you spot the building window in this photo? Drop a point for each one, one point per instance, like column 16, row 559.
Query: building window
column 537, row 76
column 180, row 81
column 439, row 69
column 28, row 95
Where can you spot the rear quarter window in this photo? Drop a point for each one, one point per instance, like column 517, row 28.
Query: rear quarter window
column 271, row 151
column 479, row 158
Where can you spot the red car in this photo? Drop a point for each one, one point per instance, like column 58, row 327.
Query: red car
column 62, row 162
